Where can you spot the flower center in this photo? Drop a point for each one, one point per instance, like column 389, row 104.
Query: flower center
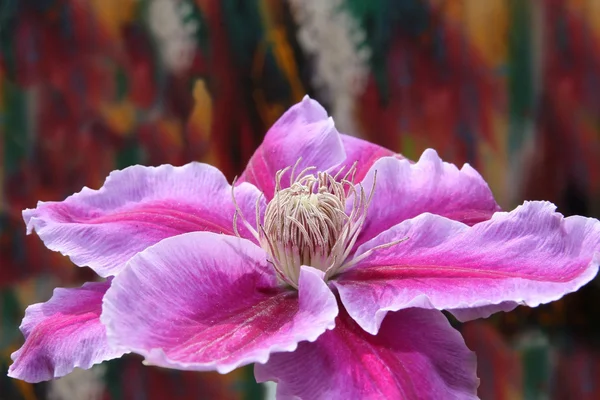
column 303, row 224
column 308, row 223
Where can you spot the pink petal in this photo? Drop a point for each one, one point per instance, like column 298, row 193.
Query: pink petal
column 530, row 256
column 304, row 131
column 415, row 355
column 364, row 153
column 136, row 208
column 203, row 301
column 404, row 190
column 63, row 333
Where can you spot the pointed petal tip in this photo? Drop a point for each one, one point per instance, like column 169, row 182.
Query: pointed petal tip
column 29, row 221
column 17, row 373
column 310, row 109
column 62, row 334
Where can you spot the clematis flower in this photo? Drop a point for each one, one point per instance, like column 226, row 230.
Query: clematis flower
column 326, row 265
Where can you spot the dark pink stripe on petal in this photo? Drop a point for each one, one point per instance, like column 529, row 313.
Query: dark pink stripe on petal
column 136, row 208
column 415, row 355
column 63, row 333
column 530, row 256
column 202, row 301
column 161, row 216
column 404, row 190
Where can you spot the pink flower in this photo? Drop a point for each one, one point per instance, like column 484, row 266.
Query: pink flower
column 326, row 265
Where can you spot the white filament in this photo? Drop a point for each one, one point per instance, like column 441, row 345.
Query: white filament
column 307, row 223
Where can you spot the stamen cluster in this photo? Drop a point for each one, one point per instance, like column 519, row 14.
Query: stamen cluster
column 308, row 223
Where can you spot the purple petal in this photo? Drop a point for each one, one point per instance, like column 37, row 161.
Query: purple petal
column 136, row 208
column 404, row 190
column 203, row 301
column 530, row 256
column 63, row 333
column 303, row 131
column 364, row 154
column 415, row 355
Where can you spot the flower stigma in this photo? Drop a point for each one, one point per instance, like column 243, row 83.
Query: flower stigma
column 308, row 224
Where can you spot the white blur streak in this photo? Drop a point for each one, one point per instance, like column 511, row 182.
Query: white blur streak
column 270, row 390
column 175, row 38
column 329, row 33
column 79, row 385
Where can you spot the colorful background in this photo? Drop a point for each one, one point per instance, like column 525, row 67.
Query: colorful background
column 510, row 86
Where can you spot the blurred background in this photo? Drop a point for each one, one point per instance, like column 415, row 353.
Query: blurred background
column 510, row 86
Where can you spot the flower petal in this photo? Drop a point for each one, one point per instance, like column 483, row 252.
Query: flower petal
column 63, row 333
column 415, row 355
column 404, row 190
column 304, row 131
column 530, row 256
column 136, row 208
column 203, row 301
column 364, row 154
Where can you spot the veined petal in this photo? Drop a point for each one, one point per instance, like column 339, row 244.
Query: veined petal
column 203, row 301
column 364, row 154
column 404, row 190
column 63, row 333
column 136, row 208
column 415, row 355
column 304, row 131
column 529, row 256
